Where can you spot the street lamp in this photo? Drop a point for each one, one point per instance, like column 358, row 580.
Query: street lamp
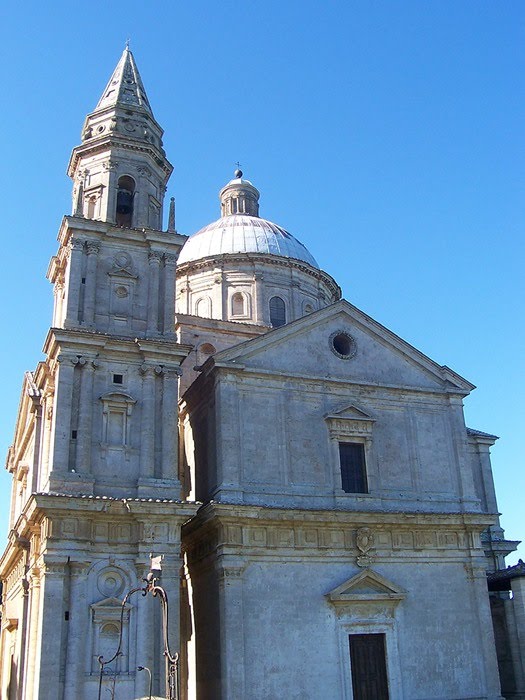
column 145, row 668
column 171, row 660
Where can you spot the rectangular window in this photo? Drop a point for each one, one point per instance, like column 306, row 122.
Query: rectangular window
column 353, row 470
column 368, row 662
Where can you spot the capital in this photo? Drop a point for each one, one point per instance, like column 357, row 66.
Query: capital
column 93, row 247
column 155, row 257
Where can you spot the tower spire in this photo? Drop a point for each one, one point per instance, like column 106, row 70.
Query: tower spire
column 125, row 87
column 121, row 158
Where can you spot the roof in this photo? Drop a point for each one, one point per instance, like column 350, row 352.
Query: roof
column 500, row 580
column 240, row 233
column 125, row 86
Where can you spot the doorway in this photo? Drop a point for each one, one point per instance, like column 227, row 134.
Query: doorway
column 368, row 663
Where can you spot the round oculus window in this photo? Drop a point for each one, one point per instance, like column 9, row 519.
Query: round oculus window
column 343, row 345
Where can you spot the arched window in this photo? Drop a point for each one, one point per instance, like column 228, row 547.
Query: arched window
column 203, row 307
column 125, row 195
column 277, row 312
column 92, row 202
column 238, row 304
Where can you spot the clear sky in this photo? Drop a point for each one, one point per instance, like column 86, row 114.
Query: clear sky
column 386, row 135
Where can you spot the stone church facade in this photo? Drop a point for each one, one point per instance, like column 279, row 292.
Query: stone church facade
column 325, row 517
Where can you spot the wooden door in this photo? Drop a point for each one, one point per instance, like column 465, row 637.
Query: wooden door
column 368, row 661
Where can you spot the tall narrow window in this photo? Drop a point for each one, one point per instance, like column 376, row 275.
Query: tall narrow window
column 368, row 661
column 238, row 304
column 125, row 195
column 277, row 312
column 353, row 468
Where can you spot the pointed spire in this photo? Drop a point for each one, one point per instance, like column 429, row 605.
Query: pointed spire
column 125, row 86
column 171, row 218
column 79, row 208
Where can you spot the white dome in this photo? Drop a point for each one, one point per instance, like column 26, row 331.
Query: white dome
column 239, row 233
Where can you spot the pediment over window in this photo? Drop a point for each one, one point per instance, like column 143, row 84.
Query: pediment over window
column 366, row 587
column 109, row 609
column 349, row 421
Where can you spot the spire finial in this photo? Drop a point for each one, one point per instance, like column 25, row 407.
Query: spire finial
column 171, row 218
column 238, row 172
column 127, row 44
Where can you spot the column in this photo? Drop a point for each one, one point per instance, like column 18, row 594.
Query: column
column 147, row 442
column 231, row 629
column 78, row 626
column 85, row 417
column 170, row 423
column 34, row 620
column 170, row 264
column 62, row 414
column 91, row 283
column 153, row 291
column 74, row 279
column 47, row 660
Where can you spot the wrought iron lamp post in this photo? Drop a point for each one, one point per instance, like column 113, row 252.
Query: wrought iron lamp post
column 145, row 668
column 171, row 659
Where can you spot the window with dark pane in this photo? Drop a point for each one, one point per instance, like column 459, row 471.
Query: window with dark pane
column 277, row 312
column 353, row 469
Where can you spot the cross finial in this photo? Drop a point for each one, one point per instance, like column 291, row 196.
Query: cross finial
column 238, row 172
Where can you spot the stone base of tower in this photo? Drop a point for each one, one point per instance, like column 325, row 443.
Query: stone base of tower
column 69, row 563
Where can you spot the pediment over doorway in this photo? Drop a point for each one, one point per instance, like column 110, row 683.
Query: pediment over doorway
column 366, row 587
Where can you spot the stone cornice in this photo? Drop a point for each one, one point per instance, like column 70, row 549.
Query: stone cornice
column 226, row 259
column 160, row 350
column 260, row 531
column 168, row 242
column 112, row 142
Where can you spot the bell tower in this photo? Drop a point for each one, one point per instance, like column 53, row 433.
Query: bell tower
column 120, row 170
column 112, row 356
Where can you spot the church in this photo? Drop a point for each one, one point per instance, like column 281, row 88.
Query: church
column 326, row 523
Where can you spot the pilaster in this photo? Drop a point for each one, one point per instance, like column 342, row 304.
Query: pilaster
column 49, row 652
column 147, row 443
column 170, row 265
column 231, row 614
column 77, row 624
column 92, row 250
column 74, row 280
column 154, row 259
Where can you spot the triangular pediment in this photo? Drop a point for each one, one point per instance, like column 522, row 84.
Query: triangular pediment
column 368, row 585
column 109, row 604
column 351, row 412
column 375, row 356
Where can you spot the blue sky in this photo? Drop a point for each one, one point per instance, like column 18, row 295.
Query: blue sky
column 386, row 136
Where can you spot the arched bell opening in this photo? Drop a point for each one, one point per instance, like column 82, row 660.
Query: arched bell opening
column 125, row 197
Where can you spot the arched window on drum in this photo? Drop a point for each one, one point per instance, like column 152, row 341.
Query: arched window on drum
column 277, row 312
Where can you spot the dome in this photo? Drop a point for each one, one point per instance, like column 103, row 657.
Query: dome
column 240, row 233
